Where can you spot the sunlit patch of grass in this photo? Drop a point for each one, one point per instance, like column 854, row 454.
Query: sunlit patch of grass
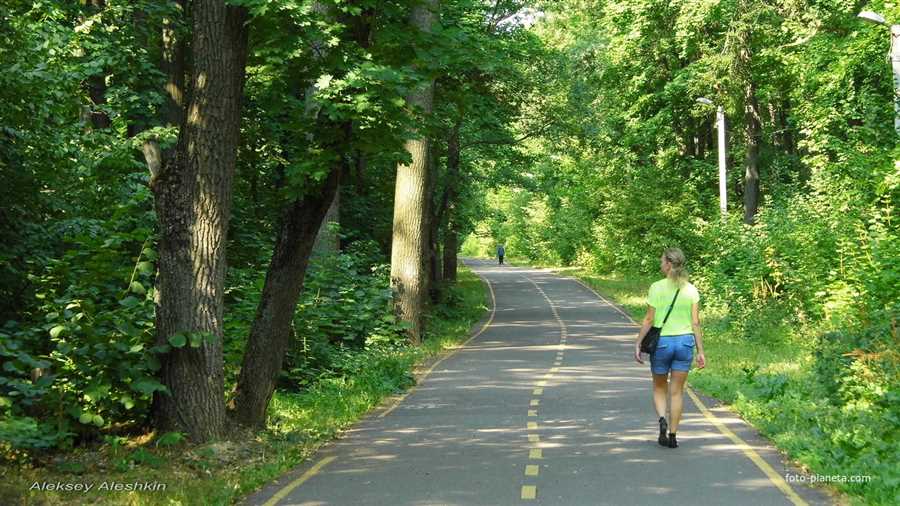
column 629, row 292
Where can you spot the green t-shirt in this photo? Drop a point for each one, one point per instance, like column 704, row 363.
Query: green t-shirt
column 660, row 297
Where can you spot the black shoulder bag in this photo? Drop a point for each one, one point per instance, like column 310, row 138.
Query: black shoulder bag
column 651, row 339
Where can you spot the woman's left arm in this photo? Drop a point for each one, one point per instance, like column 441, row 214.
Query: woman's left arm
column 698, row 335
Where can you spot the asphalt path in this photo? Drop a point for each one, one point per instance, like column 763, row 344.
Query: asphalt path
column 544, row 406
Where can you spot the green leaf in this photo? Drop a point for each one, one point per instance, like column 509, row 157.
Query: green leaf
column 178, row 340
column 138, row 288
column 55, row 331
column 85, row 418
column 323, row 81
column 145, row 267
column 96, row 393
column 148, row 386
column 129, row 301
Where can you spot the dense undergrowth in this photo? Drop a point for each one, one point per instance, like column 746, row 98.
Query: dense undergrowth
column 333, row 380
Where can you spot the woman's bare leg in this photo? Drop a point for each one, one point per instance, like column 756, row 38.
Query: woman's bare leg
column 677, row 393
column 660, row 392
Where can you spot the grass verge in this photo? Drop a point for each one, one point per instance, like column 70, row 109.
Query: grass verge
column 141, row 471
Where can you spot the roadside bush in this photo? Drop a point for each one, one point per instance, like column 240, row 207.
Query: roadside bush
column 345, row 307
column 82, row 360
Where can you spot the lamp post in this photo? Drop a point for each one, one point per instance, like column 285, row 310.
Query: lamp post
column 723, row 180
column 878, row 19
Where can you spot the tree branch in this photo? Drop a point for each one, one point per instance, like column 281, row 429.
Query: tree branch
column 533, row 133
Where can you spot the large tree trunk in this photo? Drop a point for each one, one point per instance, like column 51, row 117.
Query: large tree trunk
column 269, row 335
column 435, row 210
column 451, row 235
column 752, row 117
column 410, row 234
column 451, row 245
column 751, row 163
column 193, row 203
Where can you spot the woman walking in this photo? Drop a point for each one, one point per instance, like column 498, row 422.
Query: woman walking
column 679, row 335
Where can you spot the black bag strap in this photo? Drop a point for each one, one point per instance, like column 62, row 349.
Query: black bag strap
column 672, row 305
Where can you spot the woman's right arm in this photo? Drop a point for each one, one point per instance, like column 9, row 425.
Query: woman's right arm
column 645, row 327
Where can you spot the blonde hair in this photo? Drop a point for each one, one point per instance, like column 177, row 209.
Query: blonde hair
column 676, row 259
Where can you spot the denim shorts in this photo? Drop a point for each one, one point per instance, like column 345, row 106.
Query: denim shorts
column 673, row 352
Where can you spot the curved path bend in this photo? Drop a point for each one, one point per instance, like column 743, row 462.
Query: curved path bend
column 543, row 406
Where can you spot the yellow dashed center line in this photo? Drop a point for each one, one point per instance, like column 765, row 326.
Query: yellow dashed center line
column 529, row 491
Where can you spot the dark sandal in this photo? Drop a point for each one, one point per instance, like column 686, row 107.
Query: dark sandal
column 663, row 427
column 673, row 443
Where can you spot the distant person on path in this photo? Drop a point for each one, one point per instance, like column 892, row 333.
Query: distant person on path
column 678, row 337
column 500, row 252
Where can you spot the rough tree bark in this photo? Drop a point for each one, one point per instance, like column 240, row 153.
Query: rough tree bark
column 193, row 194
column 451, row 245
column 410, row 234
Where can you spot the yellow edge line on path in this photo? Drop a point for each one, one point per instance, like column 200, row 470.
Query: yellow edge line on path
column 445, row 357
column 773, row 476
column 281, row 494
column 764, row 466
